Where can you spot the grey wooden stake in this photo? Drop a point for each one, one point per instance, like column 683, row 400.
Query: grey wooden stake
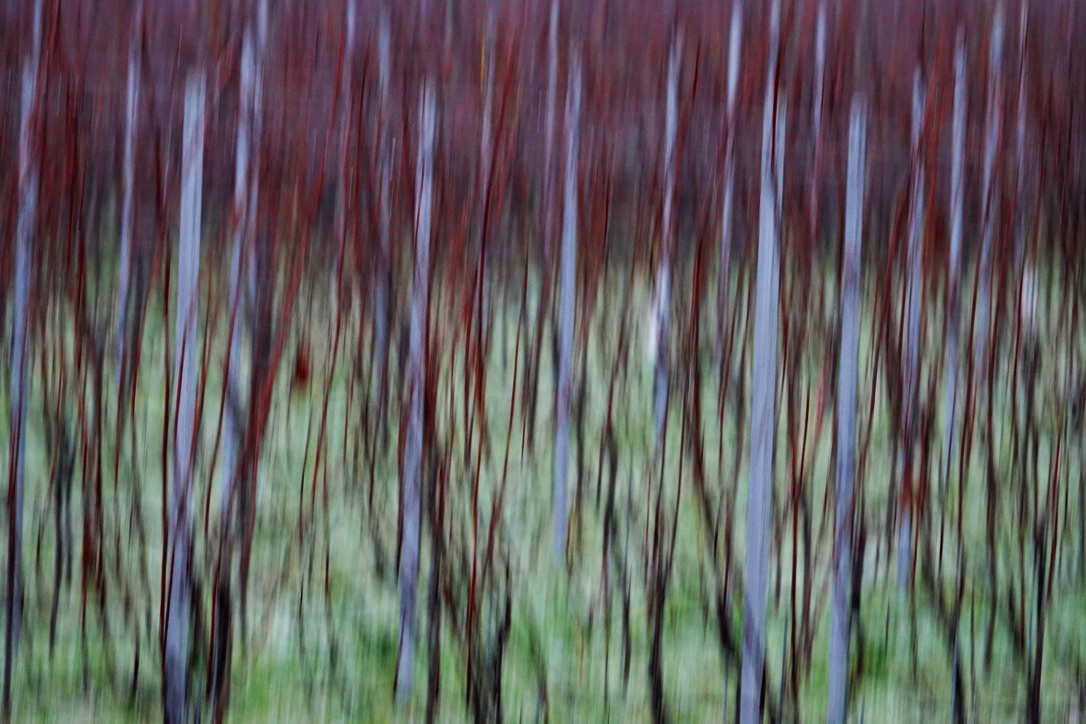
column 763, row 408
column 911, row 351
column 840, row 625
column 566, row 319
column 415, row 443
column 185, row 371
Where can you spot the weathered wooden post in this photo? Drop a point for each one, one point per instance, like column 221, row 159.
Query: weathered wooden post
column 415, row 444
column 568, row 300
column 763, row 425
column 840, row 625
column 186, row 341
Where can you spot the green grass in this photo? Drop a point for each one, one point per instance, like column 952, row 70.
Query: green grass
column 285, row 670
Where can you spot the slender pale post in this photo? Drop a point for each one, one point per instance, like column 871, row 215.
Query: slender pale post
column 840, row 624
column 662, row 303
column 24, row 230
column 245, row 198
column 550, row 131
column 345, row 105
column 1020, row 141
column 726, row 233
column 820, row 85
column 991, row 142
column 568, row 300
column 911, row 351
column 763, row 407
column 131, row 117
column 486, row 151
column 415, row 443
column 957, row 206
column 184, row 383
column 380, row 313
column 231, row 392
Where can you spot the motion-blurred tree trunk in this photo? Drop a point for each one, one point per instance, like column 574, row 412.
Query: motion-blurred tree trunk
column 662, row 301
column 24, row 243
column 568, row 301
column 957, row 205
column 184, row 375
column 346, row 106
column 415, row 443
column 726, row 224
column 486, row 180
column 911, row 351
column 819, row 107
column 1023, row 217
column 763, row 424
column 846, row 414
column 246, row 187
column 131, row 122
column 384, row 211
column 660, row 565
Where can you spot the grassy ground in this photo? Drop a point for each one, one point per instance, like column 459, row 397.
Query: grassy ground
column 318, row 658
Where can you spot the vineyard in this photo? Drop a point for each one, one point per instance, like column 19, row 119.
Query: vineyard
column 703, row 360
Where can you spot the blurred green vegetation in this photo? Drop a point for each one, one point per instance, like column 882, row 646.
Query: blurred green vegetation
column 308, row 656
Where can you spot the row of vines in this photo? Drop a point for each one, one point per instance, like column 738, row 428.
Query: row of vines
column 600, row 317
